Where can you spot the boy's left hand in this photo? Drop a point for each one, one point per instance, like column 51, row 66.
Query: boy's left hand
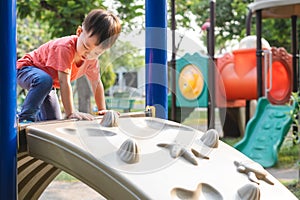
column 80, row 116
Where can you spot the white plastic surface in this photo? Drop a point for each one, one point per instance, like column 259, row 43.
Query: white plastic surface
column 89, row 152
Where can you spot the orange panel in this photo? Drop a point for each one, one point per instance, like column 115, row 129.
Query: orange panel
column 236, row 77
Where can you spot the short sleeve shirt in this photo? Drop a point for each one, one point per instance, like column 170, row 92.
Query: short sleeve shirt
column 58, row 55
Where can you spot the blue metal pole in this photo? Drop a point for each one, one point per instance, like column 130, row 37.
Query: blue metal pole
column 8, row 133
column 156, row 57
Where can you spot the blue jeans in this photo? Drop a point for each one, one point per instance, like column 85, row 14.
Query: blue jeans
column 41, row 102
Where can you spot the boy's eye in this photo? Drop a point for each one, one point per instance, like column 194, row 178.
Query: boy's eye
column 85, row 46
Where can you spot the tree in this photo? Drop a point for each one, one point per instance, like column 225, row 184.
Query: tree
column 231, row 21
column 230, row 17
column 127, row 55
column 30, row 35
column 121, row 54
column 63, row 17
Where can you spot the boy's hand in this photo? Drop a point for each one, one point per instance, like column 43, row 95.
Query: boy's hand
column 80, row 116
column 102, row 112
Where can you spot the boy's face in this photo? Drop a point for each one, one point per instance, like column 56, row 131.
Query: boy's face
column 86, row 46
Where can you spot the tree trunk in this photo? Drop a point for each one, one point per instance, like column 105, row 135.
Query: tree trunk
column 84, row 94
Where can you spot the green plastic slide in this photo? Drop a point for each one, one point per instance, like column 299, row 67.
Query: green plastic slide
column 265, row 132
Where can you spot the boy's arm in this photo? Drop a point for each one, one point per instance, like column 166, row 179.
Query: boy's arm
column 67, row 98
column 66, row 92
column 98, row 91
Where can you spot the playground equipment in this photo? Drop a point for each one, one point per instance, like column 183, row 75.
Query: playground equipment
column 255, row 70
column 192, row 78
column 266, row 131
column 140, row 159
column 156, row 57
column 74, row 147
column 235, row 77
column 238, row 73
column 8, row 132
column 191, row 85
column 256, row 131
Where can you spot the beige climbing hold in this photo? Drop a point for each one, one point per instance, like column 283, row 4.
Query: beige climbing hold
column 211, row 138
column 204, row 145
column 177, row 150
column 254, row 171
column 249, row 191
column 129, row 151
column 110, row 119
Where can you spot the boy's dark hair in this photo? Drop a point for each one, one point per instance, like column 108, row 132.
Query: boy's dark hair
column 105, row 25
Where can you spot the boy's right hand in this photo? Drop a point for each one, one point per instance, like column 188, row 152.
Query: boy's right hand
column 102, row 112
column 80, row 116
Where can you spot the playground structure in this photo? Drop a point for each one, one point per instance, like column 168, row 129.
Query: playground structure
column 266, row 131
column 273, row 9
column 236, row 78
column 140, row 159
column 238, row 71
column 235, row 81
column 75, row 150
column 249, row 73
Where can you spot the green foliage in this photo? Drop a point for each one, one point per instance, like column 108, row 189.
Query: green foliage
column 108, row 76
column 126, row 55
column 30, row 35
column 295, row 115
column 65, row 16
column 278, row 32
column 231, row 21
column 121, row 54
column 62, row 16
column 230, row 17
column 132, row 12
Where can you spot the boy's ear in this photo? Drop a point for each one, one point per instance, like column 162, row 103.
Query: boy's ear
column 79, row 30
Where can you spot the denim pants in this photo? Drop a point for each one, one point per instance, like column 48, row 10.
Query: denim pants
column 41, row 102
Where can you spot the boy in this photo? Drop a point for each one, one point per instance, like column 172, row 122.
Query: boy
column 58, row 62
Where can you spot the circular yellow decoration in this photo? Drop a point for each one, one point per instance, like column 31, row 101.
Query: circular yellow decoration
column 191, row 82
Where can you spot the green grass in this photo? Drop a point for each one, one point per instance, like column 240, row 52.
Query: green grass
column 230, row 141
column 64, row 176
column 288, row 156
column 196, row 118
column 294, row 187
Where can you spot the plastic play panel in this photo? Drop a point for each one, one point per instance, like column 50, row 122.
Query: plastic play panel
column 151, row 158
column 191, row 80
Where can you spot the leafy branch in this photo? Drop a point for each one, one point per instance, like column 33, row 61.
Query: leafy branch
column 294, row 116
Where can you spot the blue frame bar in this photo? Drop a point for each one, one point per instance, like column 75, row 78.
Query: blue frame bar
column 8, row 127
column 156, row 57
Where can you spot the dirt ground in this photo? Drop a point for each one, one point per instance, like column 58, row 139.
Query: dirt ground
column 75, row 190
